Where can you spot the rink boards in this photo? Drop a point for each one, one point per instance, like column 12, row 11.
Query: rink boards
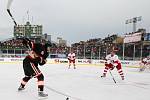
column 83, row 62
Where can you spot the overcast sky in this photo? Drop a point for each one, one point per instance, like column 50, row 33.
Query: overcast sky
column 76, row 20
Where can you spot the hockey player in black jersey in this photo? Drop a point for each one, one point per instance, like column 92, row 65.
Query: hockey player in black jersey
column 36, row 56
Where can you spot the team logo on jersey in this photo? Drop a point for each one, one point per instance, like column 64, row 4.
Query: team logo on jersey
column 42, row 52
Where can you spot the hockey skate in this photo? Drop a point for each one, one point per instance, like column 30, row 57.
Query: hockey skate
column 69, row 67
column 122, row 77
column 104, row 75
column 21, row 88
column 41, row 94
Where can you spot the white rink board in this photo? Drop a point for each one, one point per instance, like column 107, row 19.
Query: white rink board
column 78, row 61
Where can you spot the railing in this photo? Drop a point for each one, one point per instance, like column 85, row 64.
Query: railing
column 84, row 54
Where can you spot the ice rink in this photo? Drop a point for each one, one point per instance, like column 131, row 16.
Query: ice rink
column 83, row 83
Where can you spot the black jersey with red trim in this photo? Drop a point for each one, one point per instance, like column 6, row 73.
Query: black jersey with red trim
column 30, row 66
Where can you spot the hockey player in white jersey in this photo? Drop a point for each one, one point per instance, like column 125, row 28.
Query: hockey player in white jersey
column 145, row 63
column 112, row 62
column 71, row 58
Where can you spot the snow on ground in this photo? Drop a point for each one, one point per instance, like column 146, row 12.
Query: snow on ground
column 83, row 83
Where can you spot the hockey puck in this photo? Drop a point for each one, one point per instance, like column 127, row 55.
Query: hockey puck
column 67, row 98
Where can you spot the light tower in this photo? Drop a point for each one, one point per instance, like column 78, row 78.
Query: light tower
column 134, row 21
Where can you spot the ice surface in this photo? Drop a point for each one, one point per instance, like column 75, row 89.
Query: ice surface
column 83, row 83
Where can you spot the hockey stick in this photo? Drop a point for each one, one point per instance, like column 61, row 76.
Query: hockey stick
column 11, row 17
column 112, row 77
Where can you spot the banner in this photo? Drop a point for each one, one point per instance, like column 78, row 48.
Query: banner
column 89, row 62
column 130, row 38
